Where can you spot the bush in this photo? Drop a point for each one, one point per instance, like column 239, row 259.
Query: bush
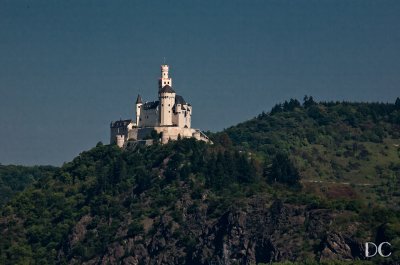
column 135, row 228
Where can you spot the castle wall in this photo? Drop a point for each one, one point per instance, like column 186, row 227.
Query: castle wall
column 188, row 117
column 182, row 117
column 120, row 128
column 167, row 101
column 120, row 140
column 172, row 133
column 149, row 117
column 168, row 133
column 133, row 134
column 139, row 107
column 113, row 135
column 144, row 133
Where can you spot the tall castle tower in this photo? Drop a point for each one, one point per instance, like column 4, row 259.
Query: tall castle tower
column 139, row 104
column 166, row 96
column 164, row 80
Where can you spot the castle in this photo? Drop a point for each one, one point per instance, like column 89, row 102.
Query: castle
column 169, row 116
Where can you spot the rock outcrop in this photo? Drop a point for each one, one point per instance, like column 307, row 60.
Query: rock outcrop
column 260, row 233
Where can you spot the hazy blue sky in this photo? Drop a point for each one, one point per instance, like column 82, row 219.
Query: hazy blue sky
column 67, row 68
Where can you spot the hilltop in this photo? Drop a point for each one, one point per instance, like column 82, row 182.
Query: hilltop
column 309, row 181
column 333, row 144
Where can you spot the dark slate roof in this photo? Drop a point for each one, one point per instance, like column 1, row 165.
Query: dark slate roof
column 120, row 123
column 151, row 105
column 179, row 100
column 166, row 89
column 139, row 99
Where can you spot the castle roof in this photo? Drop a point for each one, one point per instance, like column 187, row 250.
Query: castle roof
column 179, row 100
column 139, row 99
column 166, row 89
column 151, row 105
column 120, row 123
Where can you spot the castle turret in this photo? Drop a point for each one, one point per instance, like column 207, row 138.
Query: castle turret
column 139, row 104
column 164, row 80
column 120, row 140
column 166, row 96
column 167, row 101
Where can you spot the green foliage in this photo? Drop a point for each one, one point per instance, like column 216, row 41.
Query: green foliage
column 14, row 179
column 284, row 171
column 135, row 228
column 108, row 195
column 288, row 127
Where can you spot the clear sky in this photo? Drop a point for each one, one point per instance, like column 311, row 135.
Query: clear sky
column 67, row 68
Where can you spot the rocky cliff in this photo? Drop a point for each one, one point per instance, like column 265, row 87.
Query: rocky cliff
column 259, row 232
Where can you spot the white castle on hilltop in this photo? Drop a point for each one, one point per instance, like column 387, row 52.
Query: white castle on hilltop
column 169, row 116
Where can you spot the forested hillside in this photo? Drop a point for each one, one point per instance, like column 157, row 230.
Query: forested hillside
column 305, row 182
column 339, row 148
column 14, row 179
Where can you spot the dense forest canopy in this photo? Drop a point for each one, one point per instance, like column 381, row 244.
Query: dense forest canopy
column 14, row 179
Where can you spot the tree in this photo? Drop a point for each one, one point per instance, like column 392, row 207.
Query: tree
column 397, row 103
column 308, row 101
column 135, row 228
column 225, row 140
column 284, row 171
column 154, row 136
column 291, row 105
column 184, row 172
column 277, row 108
column 245, row 171
column 120, row 171
column 143, row 179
